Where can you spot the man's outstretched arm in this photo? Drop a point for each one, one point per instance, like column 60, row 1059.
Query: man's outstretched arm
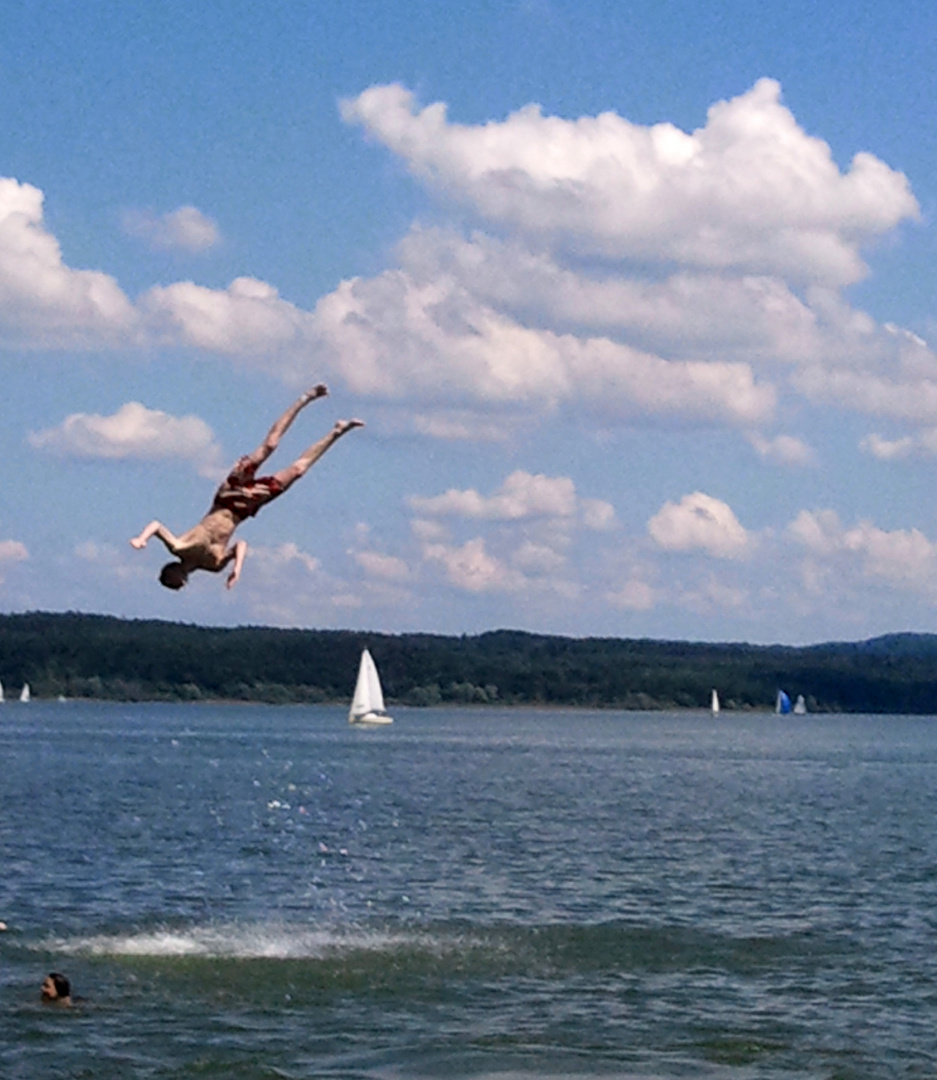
column 240, row 550
column 157, row 529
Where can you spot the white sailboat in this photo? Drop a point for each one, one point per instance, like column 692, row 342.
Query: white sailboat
column 367, row 705
column 24, row 693
column 1, row 693
column 800, row 706
column 715, row 703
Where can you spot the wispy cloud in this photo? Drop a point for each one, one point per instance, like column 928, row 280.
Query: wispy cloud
column 385, row 567
column 11, row 551
column 186, row 229
column 782, row 449
column 920, row 444
column 905, row 558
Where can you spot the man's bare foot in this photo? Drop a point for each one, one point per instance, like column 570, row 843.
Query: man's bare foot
column 346, row 425
column 319, row 390
column 138, row 542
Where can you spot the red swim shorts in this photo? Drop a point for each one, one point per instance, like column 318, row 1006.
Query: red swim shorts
column 243, row 493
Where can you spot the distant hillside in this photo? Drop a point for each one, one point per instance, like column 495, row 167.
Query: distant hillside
column 103, row 657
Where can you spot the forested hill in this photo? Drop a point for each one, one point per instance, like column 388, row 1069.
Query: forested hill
column 104, row 657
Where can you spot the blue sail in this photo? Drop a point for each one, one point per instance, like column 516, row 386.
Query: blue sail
column 783, row 703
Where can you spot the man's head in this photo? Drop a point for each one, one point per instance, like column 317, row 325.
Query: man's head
column 56, row 987
column 173, row 575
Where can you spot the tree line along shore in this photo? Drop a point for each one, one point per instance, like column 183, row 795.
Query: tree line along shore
column 103, row 657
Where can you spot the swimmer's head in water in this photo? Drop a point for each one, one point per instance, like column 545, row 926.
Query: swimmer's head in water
column 55, row 987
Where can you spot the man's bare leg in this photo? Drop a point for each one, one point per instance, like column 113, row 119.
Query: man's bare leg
column 272, row 441
column 306, row 460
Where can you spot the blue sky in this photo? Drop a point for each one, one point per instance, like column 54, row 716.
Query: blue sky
column 636, row 301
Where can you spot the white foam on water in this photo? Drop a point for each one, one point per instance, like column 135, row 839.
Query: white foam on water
column 253, row 941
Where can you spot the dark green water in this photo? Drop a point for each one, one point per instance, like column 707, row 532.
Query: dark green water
column 265, row 892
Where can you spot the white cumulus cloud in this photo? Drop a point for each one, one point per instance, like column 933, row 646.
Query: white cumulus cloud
column 434, row 340
column 712, row 291
column 700, row 522
column 43, row 302
column 685, row 314
column 534, row 522
column 749, row 190
column 249, row 318
column 522, row 496
column 472, row 568
column 134, row 432
column 751, row 228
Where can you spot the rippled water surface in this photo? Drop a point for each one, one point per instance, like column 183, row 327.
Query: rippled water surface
column 265, row 892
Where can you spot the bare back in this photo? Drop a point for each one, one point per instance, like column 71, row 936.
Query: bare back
column 206, row 545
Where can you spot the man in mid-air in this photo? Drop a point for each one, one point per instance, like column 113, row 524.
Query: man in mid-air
column 243, row 493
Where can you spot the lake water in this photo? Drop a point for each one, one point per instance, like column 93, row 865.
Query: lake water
column 250, row 891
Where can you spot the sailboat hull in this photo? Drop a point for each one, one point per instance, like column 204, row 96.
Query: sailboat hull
column 371, row 719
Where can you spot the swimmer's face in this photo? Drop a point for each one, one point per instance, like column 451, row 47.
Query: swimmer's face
column 56, row 988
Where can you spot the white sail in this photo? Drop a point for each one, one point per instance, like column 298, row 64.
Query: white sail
column 1, row 692
column 367, row 704
column 715, row 703
column 24, row 693
column 800, row 706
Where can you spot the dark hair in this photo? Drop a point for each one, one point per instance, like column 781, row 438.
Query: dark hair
column 63, row 987
column 173, row 575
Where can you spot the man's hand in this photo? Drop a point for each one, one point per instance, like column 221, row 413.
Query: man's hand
column 154, row 528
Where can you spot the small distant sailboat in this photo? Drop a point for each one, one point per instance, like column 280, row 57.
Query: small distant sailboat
column 25, row 695
column 367, row 705
column 714, row 705
column 1, row 693
column 783, row 704
column 800, row 706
